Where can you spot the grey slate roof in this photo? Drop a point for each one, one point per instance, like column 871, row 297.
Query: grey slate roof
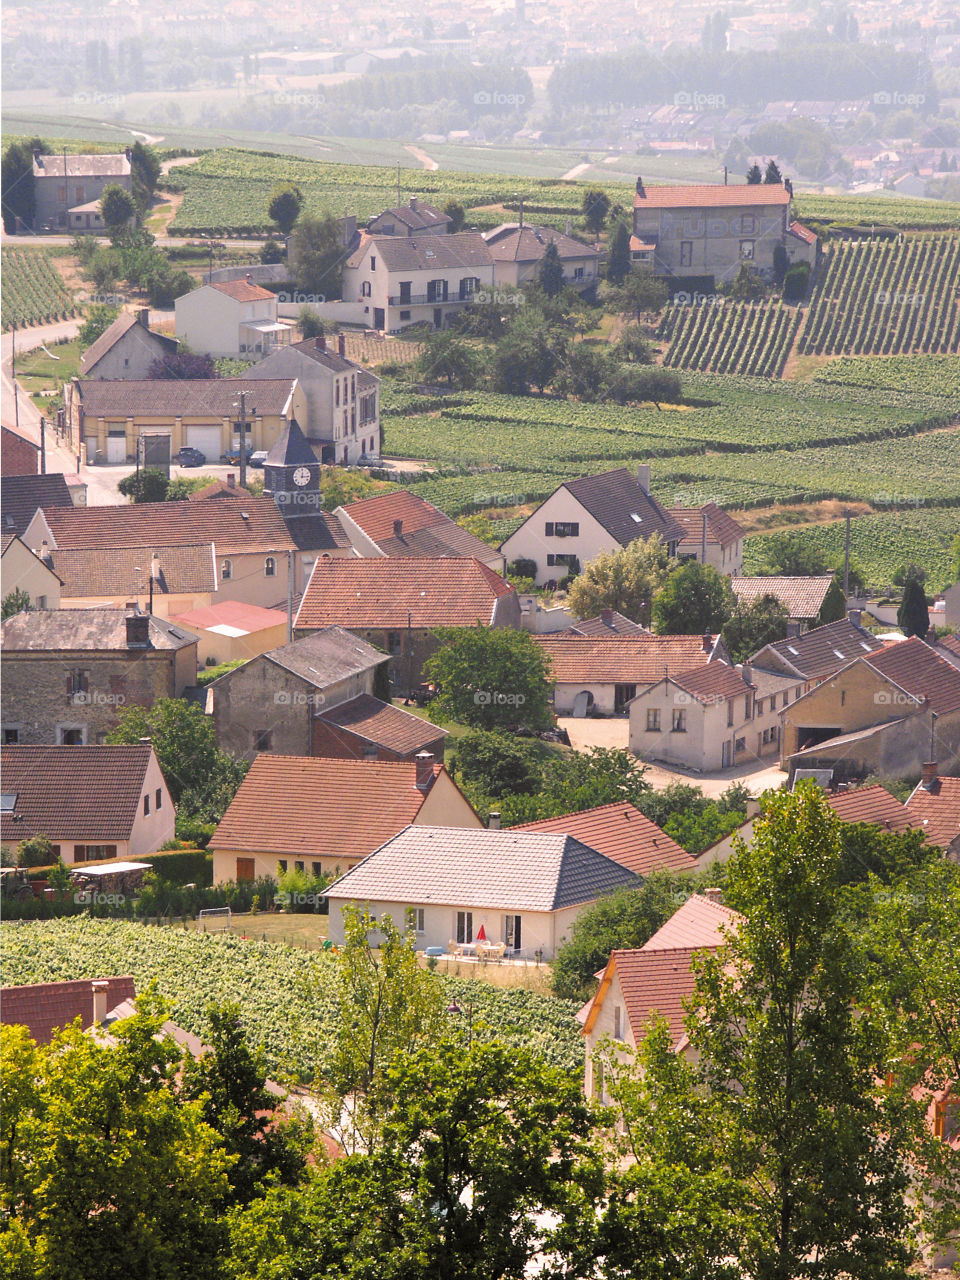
column 411, row 253
column 182, row 397
column 84, row 630
column 501, row 870
column 819, row 652
column 124, row 322
column 291, row 449
column 326, row 656
column 627, row 512
column 22, row 496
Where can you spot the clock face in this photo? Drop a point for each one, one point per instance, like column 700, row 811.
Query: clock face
column 301, row 476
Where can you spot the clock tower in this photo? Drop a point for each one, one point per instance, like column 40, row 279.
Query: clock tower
column 291, row 474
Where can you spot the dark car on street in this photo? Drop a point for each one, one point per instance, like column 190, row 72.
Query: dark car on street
column 190, row 457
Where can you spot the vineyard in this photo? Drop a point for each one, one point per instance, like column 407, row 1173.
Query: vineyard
column 877, row 211
column 33, row 289
column 286, row 994
column 935, row 375
column 886, row 298
column 746, row 337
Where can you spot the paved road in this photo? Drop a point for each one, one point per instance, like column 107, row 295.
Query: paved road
column 167, row 242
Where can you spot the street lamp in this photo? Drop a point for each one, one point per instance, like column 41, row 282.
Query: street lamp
column 456, row 1011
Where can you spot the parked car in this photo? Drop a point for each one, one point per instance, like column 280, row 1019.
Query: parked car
column 190, row 457
column 259, row 458
column 233, row 456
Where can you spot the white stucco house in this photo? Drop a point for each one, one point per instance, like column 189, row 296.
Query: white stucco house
column 230, row 318
column 522, row 888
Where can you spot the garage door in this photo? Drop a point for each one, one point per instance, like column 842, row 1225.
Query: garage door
column 207, row 440
column 117, row 447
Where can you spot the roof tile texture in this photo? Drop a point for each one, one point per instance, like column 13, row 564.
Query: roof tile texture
column 45, row 1007
column 801, row 597
column 621, row 832
column 173, row 524
column 73, row 793
column 384, row 724
column 641, row 659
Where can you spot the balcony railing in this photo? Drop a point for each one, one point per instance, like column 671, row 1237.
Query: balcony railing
column 424, row 300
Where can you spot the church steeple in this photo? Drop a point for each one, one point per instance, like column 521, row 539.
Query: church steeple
column 291, row 473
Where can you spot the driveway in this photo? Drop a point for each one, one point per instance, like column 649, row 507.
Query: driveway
column 614, row 732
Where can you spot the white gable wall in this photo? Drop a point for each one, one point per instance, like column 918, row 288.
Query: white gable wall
column 531, row 542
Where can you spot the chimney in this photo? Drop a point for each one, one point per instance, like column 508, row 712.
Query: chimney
column 494, row 822
column 640, row 191
column 100, row 987
column 643, row 477
column 931, row 636
column 569, row 228
column 143, row 316
column 424, row 764
column 342, row 345
column 707, row 642
column 793, row 628
column 231, row 480
column 249, row 278
column 607, row 616
column 138, row 631
column 746, row 672
column 413, row 202
column 928, row 774
column 855, row 615
column 155, row 567
column 713, row 894
column 320, row 342
column 398, row 528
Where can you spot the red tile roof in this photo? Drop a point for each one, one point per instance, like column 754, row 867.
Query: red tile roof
column 384, row 724
column 513, row 243
column 918, row 670
column 721, row 528
column 425, row 532
column 937, row 810
column 803, row 233
column 738, row 195
column 451, row 592
column 697, row 923
column 621, row 832
column 652, row 982
column 45, row 1007
column 73, row 793
column 714, row 682
column 951, row 644
column 173, row 524
column 312, row 807
column 640, row 659
column 801, row 597
column 231, row 613
column 609, row 624
column 871, row 804
column 243, row 291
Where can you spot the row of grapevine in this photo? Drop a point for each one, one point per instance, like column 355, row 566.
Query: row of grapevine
column 741, row 338
column 886, row 298
column 33, row 290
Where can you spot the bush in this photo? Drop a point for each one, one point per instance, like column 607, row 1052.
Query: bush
column 497, row 764
column 183, row 866
column 522, row 568
column 795, row 282
column 299, row 893
column 209, row 674
column 37, row 851
column 194, row 832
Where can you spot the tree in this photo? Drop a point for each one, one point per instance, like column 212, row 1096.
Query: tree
column 795, row 282
column 909, row 572
column 576, row 781
column 229, row 1080
column 834, row 605
column 624, row 919
column 586, row 372
column 316, row 255
column 387, row 1007
column 625, row 580
column 772, row 174
column 696, row 599
column 18, row 601
column 633, row 347
column 781, row 263
column 641, row 293
column 496, row 764
column 792, row 555
column 529, row 353
column 147, row 485
column 490, row 678
column 618, row 256
column 754, row 175
column 595, row 207
column 144, row 175
column 183, row 364
column 550, row 271
column 164, row 287
column 913, row 616
column 272, row 251
column 748, row 284
column 447, row 358
column 751, row 626
column 116, row 206
column 793, row 1059
column 18, row 198
column 457, row 215
column 98, row 319
column 631, row 384
column 36, row 851
column 285, row 204
column 59, row 878
column 310, row 323
column 106, row 1173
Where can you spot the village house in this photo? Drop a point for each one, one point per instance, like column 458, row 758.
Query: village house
column 710, row 537
column 69, row 673
column 817, row 653
column 934, row 807
column 323, row 816
column 21, row 570
column 22, row 496
column 397, row 605
column 405, row 526
column 159, row 580
column 67, row 189
column 232, row 631
column 609, row 624
column 341, row 421
column 19, row 455
column 883, row 713
column 585, row 517
column 458, row 888
column 253, row 552
column 390, row 282
column 710, row 717
column 803, row 598
column 518, row 250
column 113, row 418
column 45, row 1008
column 602, row 676
column 414, row 219
column 621, row 832
column 91, row 802
column 708, row 232
column 231, row 318
column 127, row 348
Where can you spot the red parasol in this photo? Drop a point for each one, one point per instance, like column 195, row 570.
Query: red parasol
column 481, row 934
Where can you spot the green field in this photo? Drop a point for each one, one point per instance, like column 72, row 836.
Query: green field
column 877, row 210
column 33, row 289
column 286, row 993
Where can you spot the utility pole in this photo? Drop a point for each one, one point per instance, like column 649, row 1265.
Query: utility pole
column 703, row 537
column 399, row 201
column 846, row 559
column 13, row 373
column 43, row 445
column 242, row 424
column 289, row 596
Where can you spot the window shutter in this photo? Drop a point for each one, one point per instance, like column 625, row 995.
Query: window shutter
column 548, row 529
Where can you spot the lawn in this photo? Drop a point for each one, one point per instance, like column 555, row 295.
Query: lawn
column 45, row 370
